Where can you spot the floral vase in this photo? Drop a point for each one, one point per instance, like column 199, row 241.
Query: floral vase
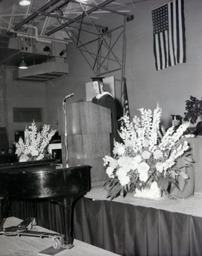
column 153, row 192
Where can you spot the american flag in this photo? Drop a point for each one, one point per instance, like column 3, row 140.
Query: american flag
column 169, row 34
column 126, row 110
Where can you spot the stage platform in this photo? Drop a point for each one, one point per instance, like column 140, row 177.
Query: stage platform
column 140, row 227
column 125, row 226
column 190, row 206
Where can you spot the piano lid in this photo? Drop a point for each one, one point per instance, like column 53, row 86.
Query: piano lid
column 22, row 165
column 44, row 181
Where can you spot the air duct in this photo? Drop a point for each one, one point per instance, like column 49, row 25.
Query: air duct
column 43, row 72
column 42, row 39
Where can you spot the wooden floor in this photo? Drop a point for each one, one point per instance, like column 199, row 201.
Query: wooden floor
column 31, row 246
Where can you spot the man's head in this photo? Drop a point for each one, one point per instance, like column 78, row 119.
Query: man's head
column 98, row 85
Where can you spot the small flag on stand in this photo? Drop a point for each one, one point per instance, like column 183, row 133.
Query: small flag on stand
column 169, row 34
column 126, row 110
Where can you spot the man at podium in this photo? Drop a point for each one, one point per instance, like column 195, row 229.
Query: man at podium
column 105, row 99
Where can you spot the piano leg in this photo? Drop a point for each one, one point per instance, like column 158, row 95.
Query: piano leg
column 67, row 213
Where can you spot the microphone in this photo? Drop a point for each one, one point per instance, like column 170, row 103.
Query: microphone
column 68, row 96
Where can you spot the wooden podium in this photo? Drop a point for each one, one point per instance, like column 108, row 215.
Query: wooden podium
column 86, row 137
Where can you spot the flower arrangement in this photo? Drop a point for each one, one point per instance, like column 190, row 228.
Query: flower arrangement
column 146, row 161
column 34, row 146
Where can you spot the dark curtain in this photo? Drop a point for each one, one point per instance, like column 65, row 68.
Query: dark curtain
column 48, row 214
column 125, row 229
column 137, row 231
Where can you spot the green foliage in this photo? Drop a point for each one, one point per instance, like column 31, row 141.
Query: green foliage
column 193, row 108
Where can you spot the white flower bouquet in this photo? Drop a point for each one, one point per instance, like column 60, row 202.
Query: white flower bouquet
column 146, row 159
column 34, row 146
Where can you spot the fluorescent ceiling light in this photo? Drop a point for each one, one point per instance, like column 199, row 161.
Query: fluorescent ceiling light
column 23, row 65
column 24, row 2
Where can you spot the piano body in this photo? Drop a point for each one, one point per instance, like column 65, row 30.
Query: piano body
column 41, row 180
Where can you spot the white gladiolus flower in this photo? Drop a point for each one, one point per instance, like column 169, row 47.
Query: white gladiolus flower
column 40, row 157
column 110, row 171
column 119, row 149
column 138, row 159
column 133, row 164
column 146, row 143
column 34, row 152
column 143, row 169
column 146, row 154
column 158, row 154
column 122, row 176
column 108, row 160
column 24, row 158
column 159, row 167
column 124, row 162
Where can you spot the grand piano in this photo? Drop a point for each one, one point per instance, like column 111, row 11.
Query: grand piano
column 42, row 180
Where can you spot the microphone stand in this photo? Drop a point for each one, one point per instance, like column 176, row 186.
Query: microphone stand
column 65, row 165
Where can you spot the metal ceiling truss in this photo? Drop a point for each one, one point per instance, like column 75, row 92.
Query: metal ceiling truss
column 97, row 43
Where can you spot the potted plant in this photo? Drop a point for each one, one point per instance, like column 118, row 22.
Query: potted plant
column 193, row 108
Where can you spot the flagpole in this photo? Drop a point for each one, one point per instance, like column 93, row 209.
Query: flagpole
column 123, row 62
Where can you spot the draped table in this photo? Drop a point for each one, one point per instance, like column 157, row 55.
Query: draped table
column 140, row 227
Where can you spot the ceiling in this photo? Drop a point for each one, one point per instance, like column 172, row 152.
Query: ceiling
column 41, row 31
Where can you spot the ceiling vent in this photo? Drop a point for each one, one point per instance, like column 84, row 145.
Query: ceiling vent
column 43, row 72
